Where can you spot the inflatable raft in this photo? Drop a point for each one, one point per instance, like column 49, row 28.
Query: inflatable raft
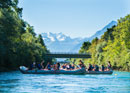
column 25, row 70
column 99, row 72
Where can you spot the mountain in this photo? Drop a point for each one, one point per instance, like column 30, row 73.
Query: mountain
column 101, row 32
column 58, row 42
column 97, row 34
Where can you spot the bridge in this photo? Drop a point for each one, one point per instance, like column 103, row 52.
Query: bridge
column 67, row 55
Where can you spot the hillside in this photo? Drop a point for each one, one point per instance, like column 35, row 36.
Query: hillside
column 113, row 46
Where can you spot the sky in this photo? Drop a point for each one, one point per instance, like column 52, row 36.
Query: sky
column 75, row 18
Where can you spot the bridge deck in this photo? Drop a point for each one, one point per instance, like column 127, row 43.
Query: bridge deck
column 67, row 55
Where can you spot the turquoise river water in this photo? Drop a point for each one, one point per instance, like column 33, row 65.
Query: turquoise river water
column 16, row 82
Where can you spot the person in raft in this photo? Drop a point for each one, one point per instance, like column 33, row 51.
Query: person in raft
column 102, row 68
column 39, row 66
column 72, row 67
column 96, row 68
column 64, row 66
column 108, row 66
column 43, row 64
column 58, row 66
column 90, row 68
column 48, row 67
column 81, row 64
column 32, row 66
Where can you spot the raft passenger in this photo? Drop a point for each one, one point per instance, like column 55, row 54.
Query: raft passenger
column 43, row 64
column 81, row 64
column 72, row 67
column 108, row 66
column 90, row 67
column 63, row 66
column 32, row 66
column 58, row 66
column 68, row 67
column 39, row 66
column 96, row 68
column 102, row 68
column 48, row 66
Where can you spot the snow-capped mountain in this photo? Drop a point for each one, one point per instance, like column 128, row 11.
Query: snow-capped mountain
column 58, row 42
column 101, row 32
column 52, row 37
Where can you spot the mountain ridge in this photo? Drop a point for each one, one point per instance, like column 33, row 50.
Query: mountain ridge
column 59, row 42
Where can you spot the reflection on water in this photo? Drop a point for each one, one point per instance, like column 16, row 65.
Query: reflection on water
column 17, row 82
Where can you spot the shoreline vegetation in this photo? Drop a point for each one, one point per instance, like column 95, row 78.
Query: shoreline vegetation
column 19, row 44
column 113, row 46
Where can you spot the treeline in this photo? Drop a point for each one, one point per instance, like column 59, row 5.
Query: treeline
column 19, row 44
column 113, row 46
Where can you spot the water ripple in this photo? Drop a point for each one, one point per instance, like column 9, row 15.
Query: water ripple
column 13, row 82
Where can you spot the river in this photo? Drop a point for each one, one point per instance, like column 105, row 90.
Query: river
column 16, row 82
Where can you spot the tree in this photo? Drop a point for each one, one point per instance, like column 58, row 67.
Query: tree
column 18, row 42
column 95, row 40
column 40, row 40
column 114, row 46
column 85, row 46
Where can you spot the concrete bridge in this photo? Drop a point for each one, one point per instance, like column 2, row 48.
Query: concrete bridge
column 67, row 55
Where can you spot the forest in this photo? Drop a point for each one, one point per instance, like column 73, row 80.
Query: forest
column 113, row 46
column 19, row 44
